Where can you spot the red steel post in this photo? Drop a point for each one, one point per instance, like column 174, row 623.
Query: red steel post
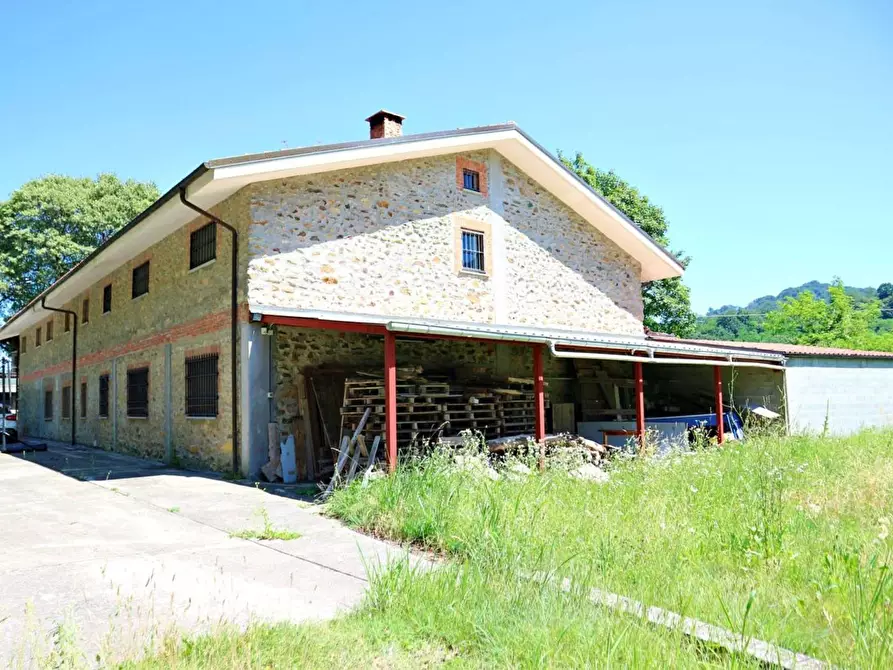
column 640, row 403
column 720, row 424
column 539, row 394
column 390, row 398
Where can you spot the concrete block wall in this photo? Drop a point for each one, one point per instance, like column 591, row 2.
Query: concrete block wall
column 850, row 393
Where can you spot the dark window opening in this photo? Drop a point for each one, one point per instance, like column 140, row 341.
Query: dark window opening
column 37, row 337
column 67, row 325
column 49, row 330
column 473, row 251
column 48, row 404
column 140, row 281
column 66, row 402
column 107, row 299
column 203, row 245
column 104, row 395
column 24, row 346
column 85, row 311
column 138, row 393
column 471, row 180
column 83, row 408
column 201, row 385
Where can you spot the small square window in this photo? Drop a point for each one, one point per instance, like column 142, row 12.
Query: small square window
column 140, row 281
column 85, row 311
column 138, row 393
column 37, row 337
column 49, row 330
column 104, row 396
column 83, row 407
column 48, row 404
column 471, row 180
column 201, row 385
column 473, row 251
column 203, row 245
column 107, row 299
column 66, row 402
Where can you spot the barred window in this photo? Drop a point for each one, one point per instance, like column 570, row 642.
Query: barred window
column 85, row 311
column 83, row 408
column 140, row 281
column 67, row 322
column 48, row 404
column 138, row 393
column 107, row 299
column 471, row 180
column 104, row 396
column 473, row 251
column 49, row 330
column 66, row 402
column 201, row 385
column 37, row 337
column 203, row 245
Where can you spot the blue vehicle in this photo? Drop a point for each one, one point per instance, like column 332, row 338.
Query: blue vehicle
column 733, row 426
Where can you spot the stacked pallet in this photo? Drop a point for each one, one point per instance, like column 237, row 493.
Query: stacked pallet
column 423, row 406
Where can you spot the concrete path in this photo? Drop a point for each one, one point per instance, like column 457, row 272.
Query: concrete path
column 124, row 549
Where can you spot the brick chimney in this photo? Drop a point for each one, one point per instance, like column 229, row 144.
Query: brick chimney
column 385, row 124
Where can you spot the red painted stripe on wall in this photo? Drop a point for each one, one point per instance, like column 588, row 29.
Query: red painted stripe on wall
column 203, row 326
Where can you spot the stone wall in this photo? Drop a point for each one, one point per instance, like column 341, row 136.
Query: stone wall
column 383, row 240
column 183, row 312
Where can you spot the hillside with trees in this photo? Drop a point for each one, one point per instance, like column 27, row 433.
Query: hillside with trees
column 815, row 313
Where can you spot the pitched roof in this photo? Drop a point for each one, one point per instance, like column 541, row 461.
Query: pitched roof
column 777, row 347
column 215, row 180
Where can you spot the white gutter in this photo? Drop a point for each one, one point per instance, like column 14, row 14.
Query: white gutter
column 450, row 331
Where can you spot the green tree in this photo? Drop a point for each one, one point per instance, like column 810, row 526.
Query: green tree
column 667, row 301
column 51, row 223
column 839, row 322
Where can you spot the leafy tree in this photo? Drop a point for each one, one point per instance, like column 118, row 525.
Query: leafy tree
column 667, row 301
column 839, row 322
column 51, row 223
column 885, row 294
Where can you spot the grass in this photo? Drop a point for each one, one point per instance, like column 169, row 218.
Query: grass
column 268, row 532
column 784, row 539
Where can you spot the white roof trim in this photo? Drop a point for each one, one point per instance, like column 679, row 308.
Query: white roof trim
column 210, row 186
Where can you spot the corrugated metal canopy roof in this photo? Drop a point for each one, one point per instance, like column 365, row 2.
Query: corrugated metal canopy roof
column 776, row 347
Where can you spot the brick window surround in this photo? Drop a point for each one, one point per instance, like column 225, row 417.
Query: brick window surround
column 463, row 164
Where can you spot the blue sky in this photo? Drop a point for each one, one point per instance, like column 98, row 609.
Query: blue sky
column 764, row 130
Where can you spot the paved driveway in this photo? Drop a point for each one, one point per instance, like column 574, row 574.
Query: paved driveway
column 120, row 548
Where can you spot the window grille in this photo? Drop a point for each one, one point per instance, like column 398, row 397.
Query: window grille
column 140, row 281
column 138, row 393
column 66, row 402
column 104, row 395
column 201, row 385
column 85, row 311
column 83, row 407
column 473, row 251
column 471, row 180
column 48, row 404
column 203, row 245
column 107, row 299
column 49, row 330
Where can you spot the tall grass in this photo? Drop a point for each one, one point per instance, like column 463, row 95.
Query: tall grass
column 784, row 539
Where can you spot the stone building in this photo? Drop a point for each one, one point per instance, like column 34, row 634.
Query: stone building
column 470, row 254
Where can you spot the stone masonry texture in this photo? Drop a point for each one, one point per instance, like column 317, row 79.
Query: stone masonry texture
column 381, row 240
column 374, row 240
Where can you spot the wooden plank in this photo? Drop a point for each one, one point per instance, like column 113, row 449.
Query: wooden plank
column 563, row 418
column 309, row 464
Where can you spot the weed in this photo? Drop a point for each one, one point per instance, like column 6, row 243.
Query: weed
column 173, row 510
column 268, row 532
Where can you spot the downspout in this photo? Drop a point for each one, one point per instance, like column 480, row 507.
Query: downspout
column 234, row 320
column 74, row 364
